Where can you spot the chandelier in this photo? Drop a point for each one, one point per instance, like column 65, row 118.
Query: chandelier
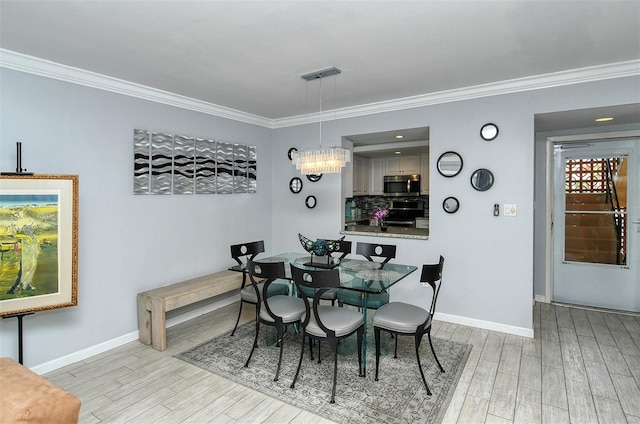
column 323, row 160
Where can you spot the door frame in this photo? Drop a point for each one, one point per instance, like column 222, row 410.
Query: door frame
column 551, row 141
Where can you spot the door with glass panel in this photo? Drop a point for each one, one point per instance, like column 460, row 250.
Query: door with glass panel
column 596, row 224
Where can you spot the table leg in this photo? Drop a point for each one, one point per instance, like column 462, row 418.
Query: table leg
column 364, row 297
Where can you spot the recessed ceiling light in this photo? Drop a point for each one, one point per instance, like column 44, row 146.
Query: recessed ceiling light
column 398, row 153
column 399, row 137
column 606, row 119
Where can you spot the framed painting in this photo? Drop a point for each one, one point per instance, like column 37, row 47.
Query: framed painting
column 38, row 242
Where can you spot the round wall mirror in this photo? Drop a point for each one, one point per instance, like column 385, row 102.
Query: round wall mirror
column 291, row 150
column 311, row 202
column 451, row 205
column 489, row 131
column 482, row 179
column 314, row 177
column 449, row 164
column 295, row 185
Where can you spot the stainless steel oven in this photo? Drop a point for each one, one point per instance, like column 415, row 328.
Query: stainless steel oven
column 403, row 213
column 401, row 185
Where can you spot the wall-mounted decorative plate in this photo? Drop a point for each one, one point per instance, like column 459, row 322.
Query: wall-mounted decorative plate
column 451, row 205
column 291, row 150
column 311, row 202
column 489, row 131
column 482, row 179
column 449, row 164
column 295, row 185
column 314, row 177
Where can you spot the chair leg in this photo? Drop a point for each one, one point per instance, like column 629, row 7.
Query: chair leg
column 360, row 338
column 310, row 347
column 424, row 380
column 433, row 351
column 335, row 371
column 280, row 331
column 376, row 330
column 238, row 319
column 395, row 351
column 319, row 357
column 255, row 344
column 295, row 377
column 257, row 324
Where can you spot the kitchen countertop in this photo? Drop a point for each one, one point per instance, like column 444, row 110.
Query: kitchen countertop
column 392, row 232
column 357, row 221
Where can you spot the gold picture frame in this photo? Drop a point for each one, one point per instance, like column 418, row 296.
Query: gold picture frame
column 38, row 242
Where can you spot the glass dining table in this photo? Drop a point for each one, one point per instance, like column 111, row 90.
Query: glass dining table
column 362, row 276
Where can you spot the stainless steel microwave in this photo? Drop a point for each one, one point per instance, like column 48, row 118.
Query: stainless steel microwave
column 401, row 185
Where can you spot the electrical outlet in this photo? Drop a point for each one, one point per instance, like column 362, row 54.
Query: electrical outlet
column 510, row 210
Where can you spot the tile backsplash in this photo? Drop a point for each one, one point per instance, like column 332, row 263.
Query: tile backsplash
column 367, row 205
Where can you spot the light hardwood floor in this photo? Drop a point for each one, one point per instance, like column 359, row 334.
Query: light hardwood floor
column 582, row 367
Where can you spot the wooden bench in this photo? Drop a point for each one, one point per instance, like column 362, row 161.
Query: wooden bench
column 154, row 304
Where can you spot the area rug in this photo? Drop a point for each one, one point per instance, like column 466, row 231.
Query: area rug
column 398, row 397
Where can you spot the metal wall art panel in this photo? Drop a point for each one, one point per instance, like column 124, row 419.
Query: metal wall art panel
column 205, row 166
column 240, row 179
column 183, row 165
column 168, row 164
column 224, row 168
column 141, row 161
column 161, row 163
column 252, row 169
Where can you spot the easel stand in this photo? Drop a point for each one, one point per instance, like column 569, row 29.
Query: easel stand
column 19, row 169
column 19, row 316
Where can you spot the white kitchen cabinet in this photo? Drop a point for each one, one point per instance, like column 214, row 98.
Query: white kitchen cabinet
column 410, row 165
column 424, row 173
column 393, row 166
column 368, row 174
column 378, row 171
column 403, row 165
column 360, row 175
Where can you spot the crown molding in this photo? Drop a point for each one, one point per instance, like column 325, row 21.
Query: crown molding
column 537, row 82
column 44, row 68
column 36, row 66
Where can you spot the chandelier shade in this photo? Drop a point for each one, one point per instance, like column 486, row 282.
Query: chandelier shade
column 323, row 160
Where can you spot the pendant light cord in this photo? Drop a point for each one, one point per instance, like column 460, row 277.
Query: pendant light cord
column 321, row 113
column 321, row 160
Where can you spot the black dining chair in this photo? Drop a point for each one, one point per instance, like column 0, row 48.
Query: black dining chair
column 277, row 310
column 331, row 295
column 344, row 248
column 371, row 251
column 324, row 322
column 246, row 251
column 404, row 319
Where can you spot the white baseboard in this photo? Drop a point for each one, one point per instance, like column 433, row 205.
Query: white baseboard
column 487, row 325
column 127, row 338
column 133, row 336
column 541, row 298
column 84, row 353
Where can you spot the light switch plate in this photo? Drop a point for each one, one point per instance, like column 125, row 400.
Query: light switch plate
column 510, row 210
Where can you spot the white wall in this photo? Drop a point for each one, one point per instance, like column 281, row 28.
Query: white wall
column 131, row 243
column 127, row 243
column 488, row 275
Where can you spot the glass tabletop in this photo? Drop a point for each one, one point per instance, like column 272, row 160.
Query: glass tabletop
column 355, row 274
